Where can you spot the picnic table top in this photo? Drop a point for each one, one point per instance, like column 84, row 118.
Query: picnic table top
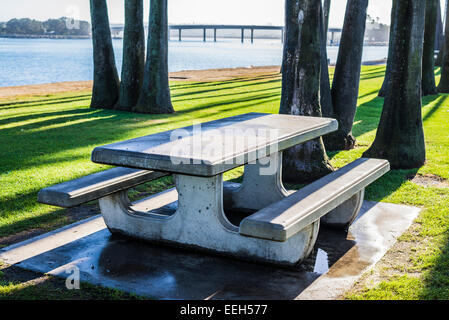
column 211, row 148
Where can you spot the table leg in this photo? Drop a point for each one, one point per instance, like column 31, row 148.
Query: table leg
column 261, row 186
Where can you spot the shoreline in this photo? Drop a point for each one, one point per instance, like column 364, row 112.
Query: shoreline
column 208, row 75
column 49, row 36
column 43, row 36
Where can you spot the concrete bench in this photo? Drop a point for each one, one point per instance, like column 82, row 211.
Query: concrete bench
column 95, row 186
column 285, row 218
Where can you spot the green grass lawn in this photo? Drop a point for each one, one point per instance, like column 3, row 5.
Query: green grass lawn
column 46, row 140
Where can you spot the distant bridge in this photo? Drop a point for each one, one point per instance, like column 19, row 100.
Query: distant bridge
column 117, row 30
column 205, row 27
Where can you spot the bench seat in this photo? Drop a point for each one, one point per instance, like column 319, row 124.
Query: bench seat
column 98, row 185
column 283, row 219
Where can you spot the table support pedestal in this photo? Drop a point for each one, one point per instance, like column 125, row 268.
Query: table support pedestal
column 261, row 186
column 200, row 222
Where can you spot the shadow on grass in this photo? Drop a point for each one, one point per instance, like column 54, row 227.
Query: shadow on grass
column 34, row 103
column 368, row 114
column 193, row 85
column 21, row 284
column 251, row 84
column 388, row 184
column 25, row 142
column 228, row 94
column 30, row 285
column 372, row 75
column 64, row 117
column 434, row 108
column 437, row 71
column 259, row 98
column 368, row 94
column 27, row 203
column 28, row 117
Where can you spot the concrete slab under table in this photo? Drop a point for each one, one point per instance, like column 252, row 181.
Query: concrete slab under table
column 160, row 272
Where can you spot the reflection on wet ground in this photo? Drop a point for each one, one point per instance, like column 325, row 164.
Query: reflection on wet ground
column 169, row 273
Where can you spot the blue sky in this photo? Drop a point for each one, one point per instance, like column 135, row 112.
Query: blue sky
column 185, row 11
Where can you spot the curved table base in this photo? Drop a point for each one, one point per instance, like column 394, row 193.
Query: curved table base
column 200, row 222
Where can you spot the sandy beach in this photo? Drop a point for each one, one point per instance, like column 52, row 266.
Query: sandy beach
column 185, row 75
column 188, row 75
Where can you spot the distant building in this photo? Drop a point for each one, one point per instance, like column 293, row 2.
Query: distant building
column 376, row 33
column 117, row 30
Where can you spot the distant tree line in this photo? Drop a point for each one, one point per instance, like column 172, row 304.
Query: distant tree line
column 376, row 31
column 61, row 27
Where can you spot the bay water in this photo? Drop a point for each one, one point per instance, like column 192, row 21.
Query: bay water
column 36, row 61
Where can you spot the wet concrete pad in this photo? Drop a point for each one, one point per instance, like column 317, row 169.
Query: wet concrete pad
column 161, row 272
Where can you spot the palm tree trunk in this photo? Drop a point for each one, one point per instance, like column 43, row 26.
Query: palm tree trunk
column 326, row 13
column 155, row 94
column 345, row 85
column 400, row 136
column 428, row 67
column 444, row 81
column 105, row 91
column 327, row 109
column 393, row 27
column 301, row 87
column 290, row 60
column 133, row 55
column 439, row 38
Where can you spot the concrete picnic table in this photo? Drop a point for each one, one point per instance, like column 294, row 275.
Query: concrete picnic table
column 257, row 219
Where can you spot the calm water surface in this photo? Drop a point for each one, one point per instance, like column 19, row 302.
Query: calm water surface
column 34, row 61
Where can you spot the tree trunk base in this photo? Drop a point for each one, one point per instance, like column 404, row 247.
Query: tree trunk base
column 299, row 172
column 339, row 140
column 153, row 110
column 443, row 89
column 106, row 106
column 429, row 92
column 305, row 163
column 403, row 158
column 125, row 104
column 122, row 108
